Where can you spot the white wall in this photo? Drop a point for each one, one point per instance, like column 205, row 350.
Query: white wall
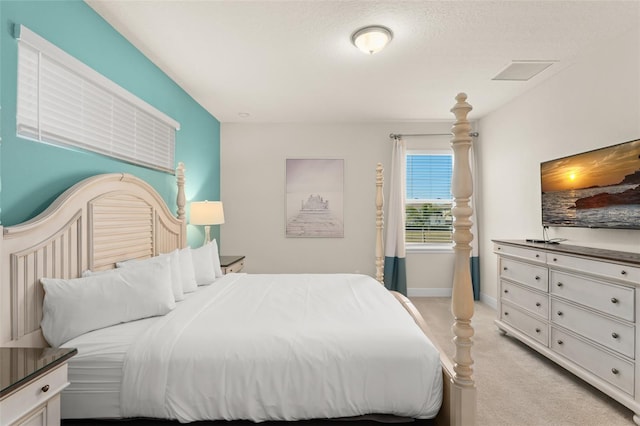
column 592, row 104
column 253, row 191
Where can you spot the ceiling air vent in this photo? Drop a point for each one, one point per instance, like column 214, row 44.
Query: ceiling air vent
column 522, row 70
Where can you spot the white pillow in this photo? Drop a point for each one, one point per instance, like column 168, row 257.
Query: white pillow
column 176, row 274
column 215, row 256
column 75, row 306
column 203, row 265
column 174, row 266
column 189, row 283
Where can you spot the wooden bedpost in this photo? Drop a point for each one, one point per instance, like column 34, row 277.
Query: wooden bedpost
column 464, row 401
column 379, row 223
column 181, row 200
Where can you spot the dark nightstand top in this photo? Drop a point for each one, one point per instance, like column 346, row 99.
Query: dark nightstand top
column 19, row 365
column 226, row 261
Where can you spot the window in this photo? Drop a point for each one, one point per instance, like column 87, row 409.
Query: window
column 64, row 102
column 428, row 199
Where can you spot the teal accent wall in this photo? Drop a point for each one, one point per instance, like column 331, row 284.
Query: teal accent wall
column 2, row 35
column 33, row 174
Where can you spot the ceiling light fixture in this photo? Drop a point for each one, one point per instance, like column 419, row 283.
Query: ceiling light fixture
column 372, row 39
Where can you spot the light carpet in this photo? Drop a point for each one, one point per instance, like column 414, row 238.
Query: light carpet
column 516, row 385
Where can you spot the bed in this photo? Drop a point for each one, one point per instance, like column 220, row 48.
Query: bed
column 121, row 369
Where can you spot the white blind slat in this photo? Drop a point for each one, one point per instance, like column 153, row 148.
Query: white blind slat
column 62, row 101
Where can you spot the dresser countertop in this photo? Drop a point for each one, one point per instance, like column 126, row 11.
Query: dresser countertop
column 604, row 254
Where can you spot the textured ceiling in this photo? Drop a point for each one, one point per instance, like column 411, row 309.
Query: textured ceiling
column 293, row 61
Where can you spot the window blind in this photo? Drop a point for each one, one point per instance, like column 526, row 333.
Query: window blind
column 64, row 102
column 428, row 198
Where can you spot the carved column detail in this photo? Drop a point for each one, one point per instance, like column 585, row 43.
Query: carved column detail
column 462, row 296
column 379, row 224
column 181, row 200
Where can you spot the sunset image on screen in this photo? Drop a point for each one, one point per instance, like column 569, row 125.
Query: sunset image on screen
column 603, row 167
column 595, row 189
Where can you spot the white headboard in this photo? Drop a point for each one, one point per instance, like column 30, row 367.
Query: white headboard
column 97, row 222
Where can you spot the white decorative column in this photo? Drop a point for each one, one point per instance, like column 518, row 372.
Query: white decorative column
column 181, row 200
column 379, row 223
column 462, row 296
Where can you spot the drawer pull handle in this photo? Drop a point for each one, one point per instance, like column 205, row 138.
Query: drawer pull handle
column 614, row 300
column 559, row 284
column 555, row 259
column 537, row 255
column 614, row 335
column 537, row 278
column 506, row 314
column 45, row 388
column 506, row 291
column 537, row 330
column 504, row 269
column 559, row 313
column 560, row 342
column 623, row 272
column 538, row 304
column 615, row 371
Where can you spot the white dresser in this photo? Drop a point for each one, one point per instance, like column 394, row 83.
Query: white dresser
column 579, row 307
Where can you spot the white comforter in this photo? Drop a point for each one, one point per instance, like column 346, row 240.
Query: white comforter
column 283, row 347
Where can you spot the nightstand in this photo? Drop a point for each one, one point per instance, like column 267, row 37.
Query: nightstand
column 31, row 380
column 230, row 264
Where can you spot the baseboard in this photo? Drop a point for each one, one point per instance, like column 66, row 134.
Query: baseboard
column 489, row 301
column 446, row 292
column 429, row 292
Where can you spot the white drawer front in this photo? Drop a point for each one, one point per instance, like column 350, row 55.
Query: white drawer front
column 36, row 418
column 524, row 273
column 531, row 301
column 29, row 397
column 529, row 254
column 532, row 327
column 610, row 368
column 612, row 299
column 610, row 333
column 234, row 267
column 626, row 273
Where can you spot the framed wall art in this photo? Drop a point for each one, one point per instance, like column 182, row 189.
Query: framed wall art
column 314, row 198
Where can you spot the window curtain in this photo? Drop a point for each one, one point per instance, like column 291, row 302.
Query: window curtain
column 395, row 269
column 475, row 247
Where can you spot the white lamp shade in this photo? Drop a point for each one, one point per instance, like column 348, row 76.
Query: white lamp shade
column 206, row 213
column 371, row 39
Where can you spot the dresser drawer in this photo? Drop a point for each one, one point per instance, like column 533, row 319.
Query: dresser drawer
column 234, row 267
column 25, row 399
column 524, row 298
column 37, row 417
column 613, row 334
column 524, row 273
column 612, row 299
column 524, row 253
column 615, row 271
column 594, row 360
column 532, row 327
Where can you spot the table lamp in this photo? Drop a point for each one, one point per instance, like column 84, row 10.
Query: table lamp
column 206, row 213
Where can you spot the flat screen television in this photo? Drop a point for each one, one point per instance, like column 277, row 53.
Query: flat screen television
column 595, row 189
